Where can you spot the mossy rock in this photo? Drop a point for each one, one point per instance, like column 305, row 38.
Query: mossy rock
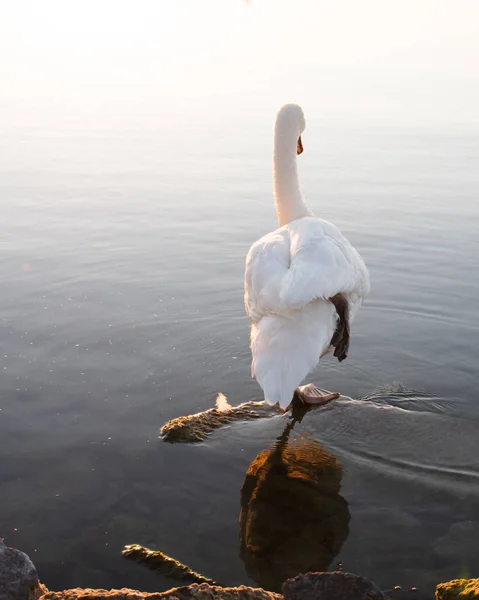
column 464, row 589
column 159, row 561
column 192, row 592
column 197, row 427
column 293, row 518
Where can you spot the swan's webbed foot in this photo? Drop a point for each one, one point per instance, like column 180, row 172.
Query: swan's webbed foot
column 340, row 339
column 310, row 394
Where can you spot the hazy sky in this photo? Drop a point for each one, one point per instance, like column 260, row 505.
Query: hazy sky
column 409, row 60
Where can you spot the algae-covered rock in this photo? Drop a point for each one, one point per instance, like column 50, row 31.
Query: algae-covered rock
column 191, row 592
column 312, row 586
column 197, row 427
column 331, row 586
column 458, row 589
column 18, row 575
column 292, row 519
column 158, row 561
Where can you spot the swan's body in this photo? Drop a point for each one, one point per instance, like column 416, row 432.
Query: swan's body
column 294, row 277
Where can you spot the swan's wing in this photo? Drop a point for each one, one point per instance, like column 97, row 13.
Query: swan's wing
column 323, row 263
column 267, row 263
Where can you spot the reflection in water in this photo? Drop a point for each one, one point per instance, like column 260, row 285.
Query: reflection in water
column 292, row 519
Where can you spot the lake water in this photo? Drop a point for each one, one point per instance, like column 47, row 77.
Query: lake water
column 122, row 279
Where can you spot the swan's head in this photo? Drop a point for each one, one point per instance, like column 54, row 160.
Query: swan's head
column 290, row 118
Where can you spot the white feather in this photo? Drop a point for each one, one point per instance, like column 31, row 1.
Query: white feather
column 222, row 404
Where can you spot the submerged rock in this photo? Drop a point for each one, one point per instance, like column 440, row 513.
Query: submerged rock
column 191, row 592
column 458, row 589
column 197, row 427
column 331, row 586
column 292, row 518
column 158, row 561
column 18, row 575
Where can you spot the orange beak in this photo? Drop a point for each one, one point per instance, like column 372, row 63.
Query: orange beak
column 299, row 146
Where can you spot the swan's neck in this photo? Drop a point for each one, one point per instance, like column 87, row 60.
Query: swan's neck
column 287, row 193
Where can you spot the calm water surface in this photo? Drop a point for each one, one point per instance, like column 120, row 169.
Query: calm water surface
column 122, row 263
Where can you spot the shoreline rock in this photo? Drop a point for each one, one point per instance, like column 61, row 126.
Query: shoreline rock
column 195, row 591
column 312, row 586
column 18, row 575
column 161, row 562
column 19, row 581
column 458, row 589
column 331, row 586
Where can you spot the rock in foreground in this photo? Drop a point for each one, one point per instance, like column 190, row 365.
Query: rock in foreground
column 19, row 581
column 331, row 586
column 190, row 592
column 312, row 586
column 18, row 576
column 159, row 561
column 458, row 589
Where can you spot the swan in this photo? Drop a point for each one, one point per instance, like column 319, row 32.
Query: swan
column 304, row 283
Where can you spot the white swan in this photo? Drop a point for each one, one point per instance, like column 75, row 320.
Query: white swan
column 304, row 282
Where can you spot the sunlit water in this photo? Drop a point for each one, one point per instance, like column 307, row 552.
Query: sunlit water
column 122, row 263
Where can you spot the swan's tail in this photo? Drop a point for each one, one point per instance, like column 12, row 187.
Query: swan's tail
column 286, row 348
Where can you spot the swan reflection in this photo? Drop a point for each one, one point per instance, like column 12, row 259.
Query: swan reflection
column 292, row 519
